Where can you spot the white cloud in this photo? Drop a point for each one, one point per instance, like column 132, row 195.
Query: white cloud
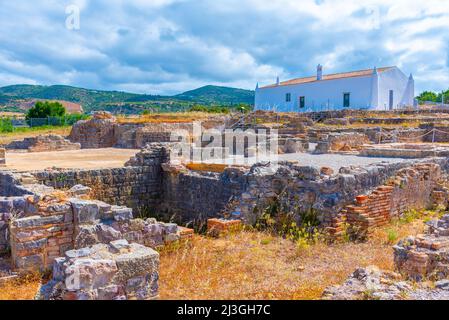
column 167, row 46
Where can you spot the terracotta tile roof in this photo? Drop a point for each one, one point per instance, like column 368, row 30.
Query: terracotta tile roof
column 352, row 74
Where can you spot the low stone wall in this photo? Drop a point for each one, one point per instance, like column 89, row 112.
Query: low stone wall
column 115, row 271
column 43, row 143
column 405, row 150
column 440, row 134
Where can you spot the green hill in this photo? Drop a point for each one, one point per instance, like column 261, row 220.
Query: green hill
column 218, row 95
column 117, row 101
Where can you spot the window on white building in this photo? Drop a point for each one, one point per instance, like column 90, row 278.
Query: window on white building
column 288, row 97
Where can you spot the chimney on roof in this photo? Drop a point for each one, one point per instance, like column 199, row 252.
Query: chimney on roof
column 277, row 81
column 319, row 72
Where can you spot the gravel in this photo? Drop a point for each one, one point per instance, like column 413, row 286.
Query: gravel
column 334, row 161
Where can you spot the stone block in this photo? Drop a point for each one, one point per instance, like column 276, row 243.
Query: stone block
column 85, row 212
column 121, row 213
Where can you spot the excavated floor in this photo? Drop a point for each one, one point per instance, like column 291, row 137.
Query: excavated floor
column 84, row 158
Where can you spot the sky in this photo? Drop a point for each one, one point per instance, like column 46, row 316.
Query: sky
column 170, row 46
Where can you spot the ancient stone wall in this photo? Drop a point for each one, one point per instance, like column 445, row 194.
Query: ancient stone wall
column 136, row 187
column 44, row 143
column 38, row 239
column 10, row 185
column 43, row 227
column 97, row 132
column 300, row 189
column 194, row 196
column 103, row 131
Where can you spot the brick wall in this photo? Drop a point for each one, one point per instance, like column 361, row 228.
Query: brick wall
column 410, row 188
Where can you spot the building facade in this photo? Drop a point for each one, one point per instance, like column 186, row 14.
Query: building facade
column 385, row 88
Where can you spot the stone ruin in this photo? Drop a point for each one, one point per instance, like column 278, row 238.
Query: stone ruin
column 115, row 271
column 370, row 283
column 366, row 197
column 417, row 261
column 104, row 131
column 419, row 186
column 43, row 143
column 425, row 256
column 405, row 150
column 47, row 229
column 97, row 132
column 342, row 142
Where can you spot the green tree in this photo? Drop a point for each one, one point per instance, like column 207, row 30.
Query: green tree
column 427, row 96
column 446, row 97
column 44, row 109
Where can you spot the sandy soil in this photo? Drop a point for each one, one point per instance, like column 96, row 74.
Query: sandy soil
column 85, row 158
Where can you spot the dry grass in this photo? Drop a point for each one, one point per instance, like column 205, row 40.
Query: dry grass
column 21, row 288
column 174, row 117
column 256, row 265
column 6, row 138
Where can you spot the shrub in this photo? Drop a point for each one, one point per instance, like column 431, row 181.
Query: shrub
column 6, row 125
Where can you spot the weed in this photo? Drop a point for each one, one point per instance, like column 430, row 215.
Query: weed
column 392, row 236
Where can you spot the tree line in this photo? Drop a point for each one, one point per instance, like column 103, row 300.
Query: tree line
column 430, row 96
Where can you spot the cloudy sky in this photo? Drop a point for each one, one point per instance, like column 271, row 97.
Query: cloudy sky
column 169, row 46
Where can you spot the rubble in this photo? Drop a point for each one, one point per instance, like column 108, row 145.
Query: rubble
column 373, row 284
column 425, row 256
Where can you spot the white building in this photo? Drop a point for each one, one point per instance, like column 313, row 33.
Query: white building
column 377, row 89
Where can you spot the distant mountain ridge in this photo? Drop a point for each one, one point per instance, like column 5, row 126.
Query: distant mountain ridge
column 16, row 95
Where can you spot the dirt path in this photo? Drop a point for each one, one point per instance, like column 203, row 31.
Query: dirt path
column 85, row 158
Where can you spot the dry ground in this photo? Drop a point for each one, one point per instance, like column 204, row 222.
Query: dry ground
column 257, row 265
column 84, row 158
